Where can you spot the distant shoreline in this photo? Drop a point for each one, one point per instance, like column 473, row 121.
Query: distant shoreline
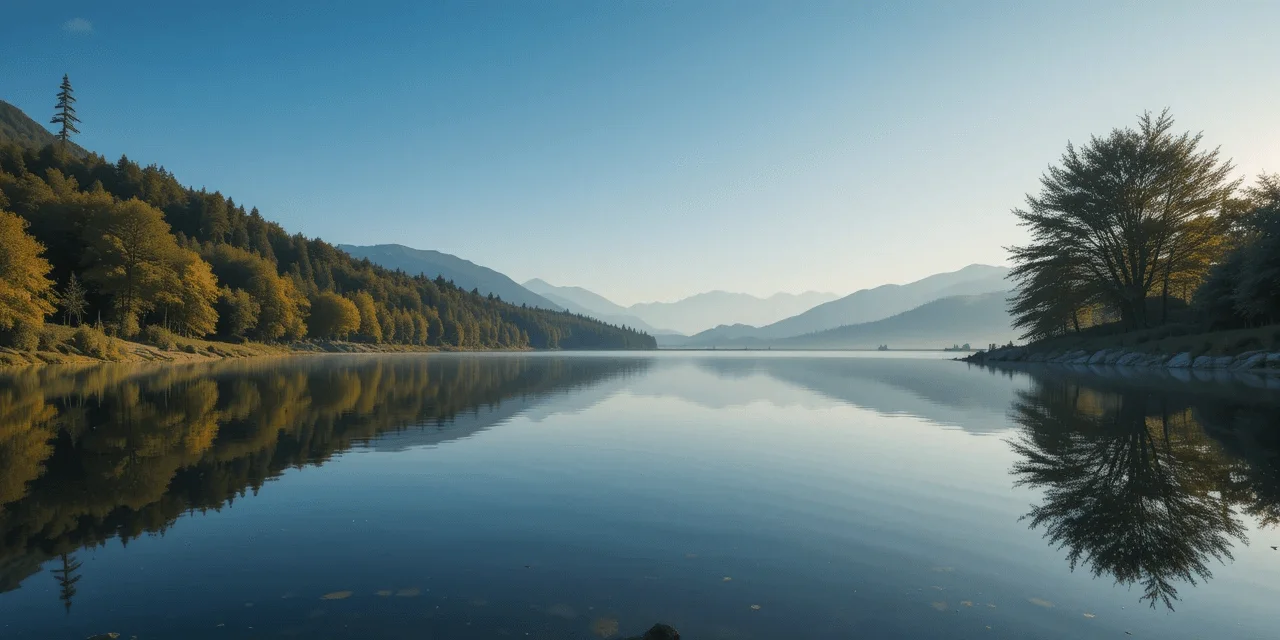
column 818, row 350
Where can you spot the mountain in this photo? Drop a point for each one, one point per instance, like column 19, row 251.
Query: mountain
column 868, row 305
column 464, row 273
column 590, row 303
column 19, row 129
column 975, row 319
column 706, row 310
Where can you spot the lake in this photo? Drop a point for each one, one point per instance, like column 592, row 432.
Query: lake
column 732, row 495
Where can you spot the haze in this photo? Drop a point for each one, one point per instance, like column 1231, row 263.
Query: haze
column 648, row 150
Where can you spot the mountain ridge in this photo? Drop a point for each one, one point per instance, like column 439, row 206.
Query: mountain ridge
column 590, row 303
column 462, row 272
column 976, row 319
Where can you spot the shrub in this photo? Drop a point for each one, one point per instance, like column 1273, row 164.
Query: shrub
column 24, row 335
column 158, row 336
column 93, row 343
column 128, row 326
column 53, row 337
column 189, row 348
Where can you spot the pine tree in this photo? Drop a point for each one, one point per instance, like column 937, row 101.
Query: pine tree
column 66, row 112
column 67, row 579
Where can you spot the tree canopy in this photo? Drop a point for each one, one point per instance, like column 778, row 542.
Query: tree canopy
column 1122, row 217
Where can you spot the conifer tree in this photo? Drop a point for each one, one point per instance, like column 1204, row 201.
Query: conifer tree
column 65, row 116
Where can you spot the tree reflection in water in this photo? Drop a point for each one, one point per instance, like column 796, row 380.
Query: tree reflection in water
column 1140, row 483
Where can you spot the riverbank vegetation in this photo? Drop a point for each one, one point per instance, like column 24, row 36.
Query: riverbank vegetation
column 1146, row 228
column 135, row 255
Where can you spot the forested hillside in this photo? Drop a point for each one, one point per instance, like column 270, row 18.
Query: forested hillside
column 131, row 249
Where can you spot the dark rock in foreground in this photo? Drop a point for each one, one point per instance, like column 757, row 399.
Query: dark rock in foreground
column 658, row 632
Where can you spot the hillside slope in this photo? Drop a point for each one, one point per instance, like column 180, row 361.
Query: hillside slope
column 464, row 273
column 23, row 131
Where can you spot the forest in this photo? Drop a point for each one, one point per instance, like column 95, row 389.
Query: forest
column 127, row 250
column 1146, row 227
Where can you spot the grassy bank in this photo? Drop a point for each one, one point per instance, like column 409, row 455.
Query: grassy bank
column 60, row 344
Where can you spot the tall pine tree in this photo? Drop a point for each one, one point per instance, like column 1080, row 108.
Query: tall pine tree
column 65, row 115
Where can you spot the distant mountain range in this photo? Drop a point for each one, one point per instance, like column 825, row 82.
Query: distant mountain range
column 975, row 319
column 866, row 305
column 962, row 306
column 464, row 273
column 705, row 310
column 684, row 316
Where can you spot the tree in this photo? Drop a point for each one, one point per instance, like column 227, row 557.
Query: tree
column 1243, row 286
column 65, row 112
column 333, row 316
column 67, row 579
column 195, row 314
column 237, row 312
column 1121, row 216
column 132, row 255
column 369, row 327
column 282, row 308
column 24, row 286
column 72, row 300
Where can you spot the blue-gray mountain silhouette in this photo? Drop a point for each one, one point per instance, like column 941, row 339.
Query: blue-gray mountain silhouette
column 463, row 273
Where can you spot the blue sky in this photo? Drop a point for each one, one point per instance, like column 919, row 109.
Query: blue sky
column 647, row 150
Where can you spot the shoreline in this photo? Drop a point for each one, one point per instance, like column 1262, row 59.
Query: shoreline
column 1256, row 362
column 194, row 351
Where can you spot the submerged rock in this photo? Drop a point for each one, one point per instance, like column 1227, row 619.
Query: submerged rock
column 658, row 632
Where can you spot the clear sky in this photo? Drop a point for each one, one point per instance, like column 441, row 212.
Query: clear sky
column 645, row 149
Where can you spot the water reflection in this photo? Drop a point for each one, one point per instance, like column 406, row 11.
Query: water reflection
column 87, row 455
column 1145, row 481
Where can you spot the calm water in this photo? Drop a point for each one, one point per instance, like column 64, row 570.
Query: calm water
column 550, row 496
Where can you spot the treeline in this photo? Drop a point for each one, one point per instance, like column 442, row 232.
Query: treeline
column 132, row 250
column 91, row 454
column 1145, row 227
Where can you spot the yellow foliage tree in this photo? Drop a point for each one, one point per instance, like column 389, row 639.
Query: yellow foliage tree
column 133, row 255
column 194, row 313
column 24, row 287
column 369, row 326
column 333, row 316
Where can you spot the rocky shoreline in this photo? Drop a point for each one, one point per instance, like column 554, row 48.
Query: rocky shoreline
column 1252, row 362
